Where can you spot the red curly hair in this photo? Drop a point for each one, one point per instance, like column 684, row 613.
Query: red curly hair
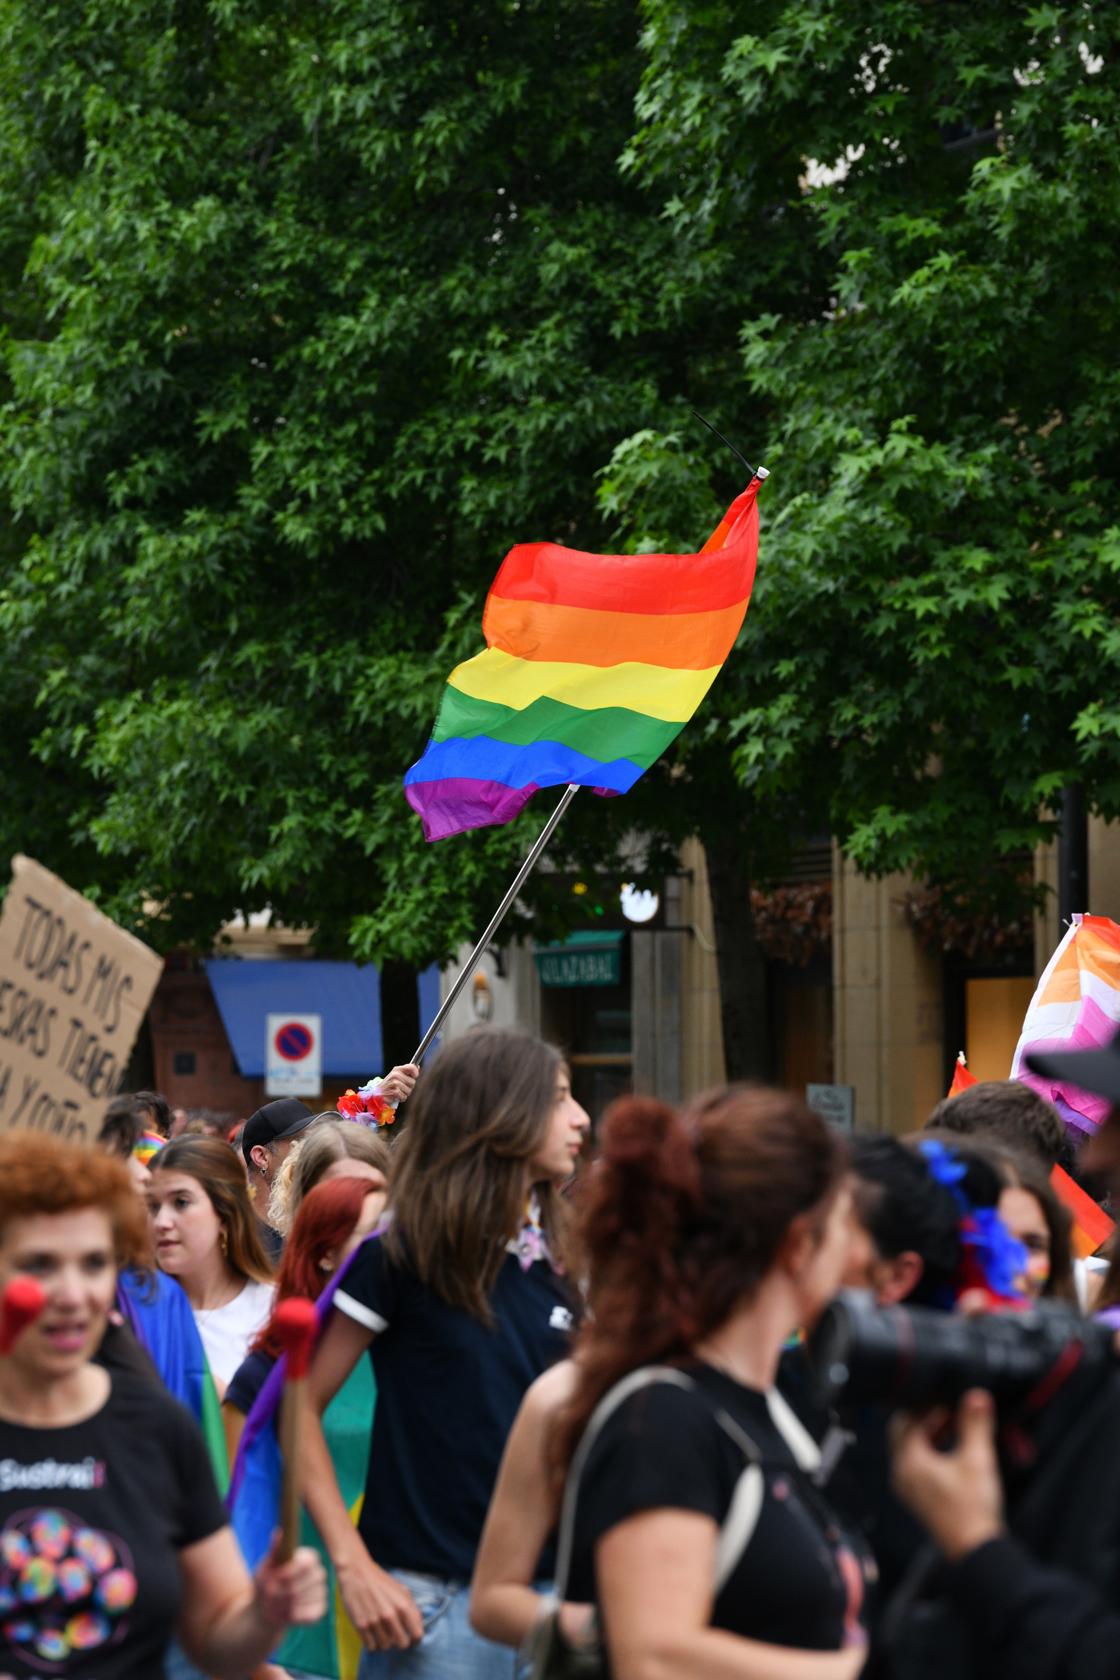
column 41, row 1175
column 327, row 1215
column 680, row 1220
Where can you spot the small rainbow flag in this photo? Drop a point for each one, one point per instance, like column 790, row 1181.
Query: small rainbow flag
column 593, row 665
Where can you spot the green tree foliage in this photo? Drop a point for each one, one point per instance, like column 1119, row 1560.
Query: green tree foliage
column 324, row 306
column 936, row 391
column 312, row 310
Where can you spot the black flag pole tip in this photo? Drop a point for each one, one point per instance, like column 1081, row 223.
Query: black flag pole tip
column 760, row 473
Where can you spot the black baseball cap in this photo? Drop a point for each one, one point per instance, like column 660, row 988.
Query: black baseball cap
column 1097, row 1071
column 275, row 1121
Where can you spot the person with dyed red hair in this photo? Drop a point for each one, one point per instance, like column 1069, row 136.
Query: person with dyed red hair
column 111, row 1529
column 333, row 1218
column 331, row 1222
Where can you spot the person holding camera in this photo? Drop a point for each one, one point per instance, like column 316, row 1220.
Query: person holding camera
column 1024, row 1505
column 907, row 1247
column 1024, row 1617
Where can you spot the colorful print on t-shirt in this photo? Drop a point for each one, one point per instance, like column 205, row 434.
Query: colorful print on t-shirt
column 93, row 1516
column 64, row 1586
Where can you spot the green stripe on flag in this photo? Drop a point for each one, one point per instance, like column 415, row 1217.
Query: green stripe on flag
column 213, row 1433
column 607, row 733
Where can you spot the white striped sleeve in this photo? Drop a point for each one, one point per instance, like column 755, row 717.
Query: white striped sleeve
column 359, row 1312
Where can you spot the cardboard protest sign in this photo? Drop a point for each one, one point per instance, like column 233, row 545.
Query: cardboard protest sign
column 73, row 991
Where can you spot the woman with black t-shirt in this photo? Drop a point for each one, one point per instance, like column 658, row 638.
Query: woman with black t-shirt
column 699, row 1532
column 112, row 1535
column 461, row 1305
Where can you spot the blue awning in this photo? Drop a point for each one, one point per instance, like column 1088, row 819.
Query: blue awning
column 348, row 998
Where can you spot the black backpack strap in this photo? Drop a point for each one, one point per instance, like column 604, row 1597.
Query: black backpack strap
column 746, row 1501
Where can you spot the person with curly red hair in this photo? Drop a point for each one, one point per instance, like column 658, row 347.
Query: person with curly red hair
column 111, row 1528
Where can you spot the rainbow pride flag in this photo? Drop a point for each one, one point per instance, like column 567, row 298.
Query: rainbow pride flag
column 160, row 1317
column 593, row 665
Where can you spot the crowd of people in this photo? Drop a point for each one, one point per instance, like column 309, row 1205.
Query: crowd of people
column 572, row 1408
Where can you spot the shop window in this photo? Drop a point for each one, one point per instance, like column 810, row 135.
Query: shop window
column 801, row 1001
column 586, row 1010
column 994, row 1008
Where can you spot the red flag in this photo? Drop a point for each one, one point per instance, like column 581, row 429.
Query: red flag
column 1091, row 1225
column 962, row 1079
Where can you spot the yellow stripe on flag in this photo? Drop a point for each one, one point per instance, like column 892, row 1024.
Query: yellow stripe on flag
column 657, row 690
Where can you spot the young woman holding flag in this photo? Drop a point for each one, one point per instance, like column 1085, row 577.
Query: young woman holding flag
column 461, row 1303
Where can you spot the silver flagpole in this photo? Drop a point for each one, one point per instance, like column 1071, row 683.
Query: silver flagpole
column 496, row 919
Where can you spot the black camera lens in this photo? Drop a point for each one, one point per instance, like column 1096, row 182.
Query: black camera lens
column 916, row 1356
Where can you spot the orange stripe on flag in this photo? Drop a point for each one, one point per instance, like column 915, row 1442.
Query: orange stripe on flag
column 1064, row 984
column 541, row 630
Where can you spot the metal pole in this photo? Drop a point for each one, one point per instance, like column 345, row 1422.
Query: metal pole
column 1073, row 854
column 497, row 918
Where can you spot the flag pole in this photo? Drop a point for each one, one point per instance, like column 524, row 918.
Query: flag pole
column 696, row 414
column 496, row 919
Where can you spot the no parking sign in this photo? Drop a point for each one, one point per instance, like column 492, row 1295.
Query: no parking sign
column 293, row 1057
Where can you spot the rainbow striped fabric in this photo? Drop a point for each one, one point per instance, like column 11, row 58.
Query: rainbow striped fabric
column 1076, row 1006
column 593, row 665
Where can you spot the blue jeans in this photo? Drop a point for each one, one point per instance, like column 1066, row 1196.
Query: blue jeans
column 450, row 1648
column 178, row 1666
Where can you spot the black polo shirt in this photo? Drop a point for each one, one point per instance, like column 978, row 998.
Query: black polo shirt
column 448, row 1390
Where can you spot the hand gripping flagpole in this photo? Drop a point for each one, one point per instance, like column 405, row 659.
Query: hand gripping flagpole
column 496, row 919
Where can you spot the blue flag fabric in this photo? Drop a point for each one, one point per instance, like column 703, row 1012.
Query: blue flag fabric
column 159, row 1315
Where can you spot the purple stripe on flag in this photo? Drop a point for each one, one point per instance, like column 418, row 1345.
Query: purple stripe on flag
column 455, row 803
column 1080, row 1122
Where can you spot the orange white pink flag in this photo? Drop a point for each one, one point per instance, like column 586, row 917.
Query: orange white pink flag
column 1076, row 1006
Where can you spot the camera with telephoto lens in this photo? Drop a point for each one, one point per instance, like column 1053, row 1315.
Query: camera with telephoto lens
column 914, row 1357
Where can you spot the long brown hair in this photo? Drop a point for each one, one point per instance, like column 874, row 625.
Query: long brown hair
column 214, row 1165
column 681, row 1219
column 457, row 1192
column 1060, row 1285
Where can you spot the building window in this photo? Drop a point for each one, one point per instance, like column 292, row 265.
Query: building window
column 183, row 1062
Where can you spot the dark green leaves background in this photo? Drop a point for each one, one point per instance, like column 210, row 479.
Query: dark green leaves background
column 310, row 311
